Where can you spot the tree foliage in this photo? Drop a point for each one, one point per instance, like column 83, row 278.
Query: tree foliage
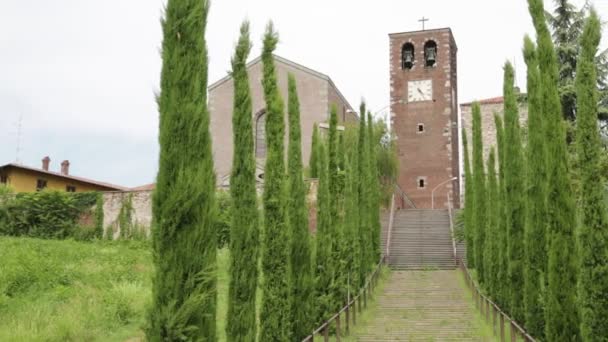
column 275, row 315
column 479, row 199
column 561, row 313
column 490, row 257
column 301, row 255
column 593, row 238
column 184, row 241
column 469, row 228
column 501, row 294
column 374, row 186
column 313, row 163
column 536, row 210
column 241, row 322
column 364, row 197
column 515, row 196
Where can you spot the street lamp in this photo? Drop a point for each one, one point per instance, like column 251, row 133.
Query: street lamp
column 433, row 192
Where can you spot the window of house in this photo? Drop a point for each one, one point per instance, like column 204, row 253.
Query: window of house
column 3, row 179
column 421, row 182
column 260, row 136
column 420, row 128
column 70, row 188
column 40, row 184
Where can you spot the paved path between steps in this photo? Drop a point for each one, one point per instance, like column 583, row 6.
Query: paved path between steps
column 422, row 306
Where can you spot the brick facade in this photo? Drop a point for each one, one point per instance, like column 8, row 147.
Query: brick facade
column 316, row 92
column 430, row 155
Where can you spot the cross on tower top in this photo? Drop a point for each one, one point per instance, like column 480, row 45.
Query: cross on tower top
column 423, row 20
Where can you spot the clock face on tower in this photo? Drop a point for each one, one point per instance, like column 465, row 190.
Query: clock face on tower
column 419, row 90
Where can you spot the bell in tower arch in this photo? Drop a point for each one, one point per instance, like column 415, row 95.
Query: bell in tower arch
column 407, row 56
column 430, row 53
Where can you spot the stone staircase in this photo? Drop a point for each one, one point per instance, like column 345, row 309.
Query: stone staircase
column 422, row 306
column 421, row 240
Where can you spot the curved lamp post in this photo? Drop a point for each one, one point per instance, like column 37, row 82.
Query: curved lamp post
column 433, row 192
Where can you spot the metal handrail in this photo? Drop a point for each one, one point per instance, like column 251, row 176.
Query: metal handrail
column 403, row 195
column 390, row 229
column 353, row 305
column 452, row 226
column 484, row 304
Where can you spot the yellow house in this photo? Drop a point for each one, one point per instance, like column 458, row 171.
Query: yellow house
column 28, row 179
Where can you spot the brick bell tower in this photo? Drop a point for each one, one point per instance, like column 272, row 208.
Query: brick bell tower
column 424, row 115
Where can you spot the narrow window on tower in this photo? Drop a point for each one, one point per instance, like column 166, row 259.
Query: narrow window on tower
column 407, row 56
column 430, row 53
column 420, row 128
column 421, row 182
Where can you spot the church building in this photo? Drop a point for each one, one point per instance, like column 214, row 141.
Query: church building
column 317, row 94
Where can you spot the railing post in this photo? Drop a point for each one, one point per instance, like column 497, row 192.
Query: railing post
column 347, row 318
column 494, row 320
column 326, row 333
column 365, row 297
column 487, row 310
column 502, row 327
column 513, row 332
column 354, row 312
column 338, row 331
column 359, row 303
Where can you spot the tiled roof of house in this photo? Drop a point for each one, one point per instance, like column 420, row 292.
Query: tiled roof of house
column 493, row 100
column 146, row 187
column 70, row 177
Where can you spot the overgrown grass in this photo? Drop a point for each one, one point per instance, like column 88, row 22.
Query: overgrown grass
column 54, row 290
column 482, row 328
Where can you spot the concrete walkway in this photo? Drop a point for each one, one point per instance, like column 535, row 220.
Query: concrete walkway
column 422, row 306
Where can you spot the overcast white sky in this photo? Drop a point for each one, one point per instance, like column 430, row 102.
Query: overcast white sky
column 83, row 73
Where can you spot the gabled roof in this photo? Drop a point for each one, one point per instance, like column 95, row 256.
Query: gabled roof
column 61, row 175
column 492, row 100
column 292, row 64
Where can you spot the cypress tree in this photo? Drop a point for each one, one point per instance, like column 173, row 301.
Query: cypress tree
column 244, row 236
column 374, row 185
column 561, row 313
column 351, row 227
column 183, row 236
column 535, row 242
column 275, row 315
column 593, row 239
column 469, row 228
column 301, row 262
column 491, row 244
column 313, row 163
column 324, row 271
column 335, row 192
column 515, row 196
column 479, row 199
column 502, row 289
column 363, row 190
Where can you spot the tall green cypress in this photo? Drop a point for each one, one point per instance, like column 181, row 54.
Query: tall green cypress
column 313, row 163
column 301, row 258
column 244, row 235
column 374, row 184
column 275, row 315
column 593, row 239
column 324, row 265
column 183, row 235
column 351, row 227
column 335, row 192
column 502, row 289
column 561, row 313
column 536, row 219
column 469, row 193
column 515, row 196
column 363, row 190
column 490, row 255
column 479, row 199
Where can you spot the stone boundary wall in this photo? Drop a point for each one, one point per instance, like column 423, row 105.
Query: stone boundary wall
column 141, row 214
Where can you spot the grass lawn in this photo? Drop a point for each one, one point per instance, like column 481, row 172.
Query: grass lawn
column 80, row 291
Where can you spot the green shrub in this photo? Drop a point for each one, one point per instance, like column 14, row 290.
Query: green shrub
column 222, row 220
